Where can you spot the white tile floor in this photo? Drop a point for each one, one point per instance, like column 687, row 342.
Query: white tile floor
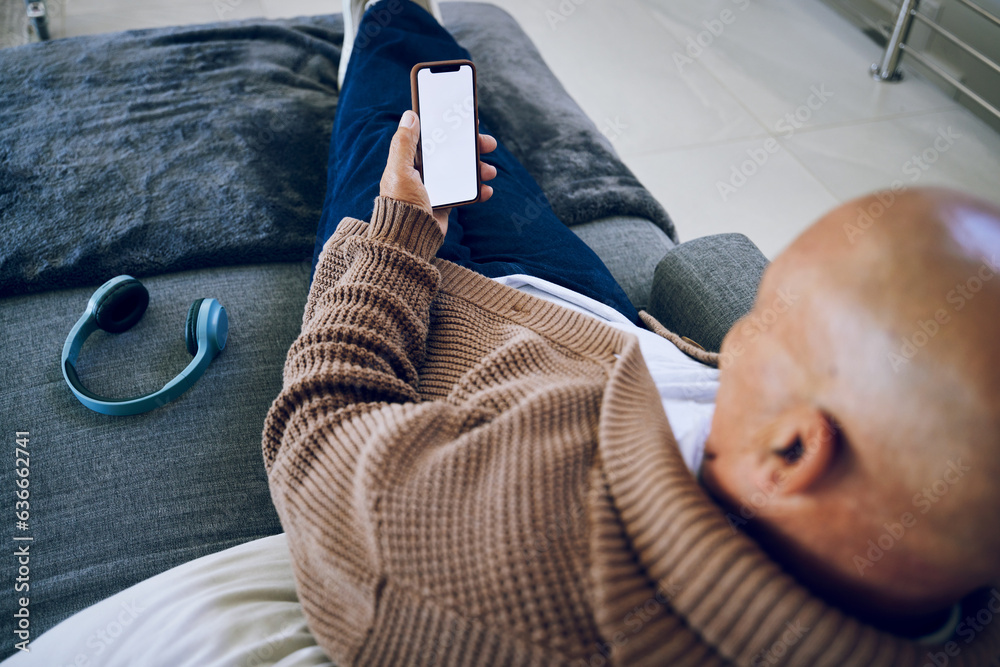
column 753, row 116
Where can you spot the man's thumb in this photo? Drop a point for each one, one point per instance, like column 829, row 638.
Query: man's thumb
column 404, row 143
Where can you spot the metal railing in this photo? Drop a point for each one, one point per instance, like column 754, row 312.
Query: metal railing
column 38, row 15
column 888, row 69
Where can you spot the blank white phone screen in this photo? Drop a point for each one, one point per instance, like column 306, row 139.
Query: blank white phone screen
column 448, row 134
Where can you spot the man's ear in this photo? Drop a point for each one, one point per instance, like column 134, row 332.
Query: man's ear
column 803, row 451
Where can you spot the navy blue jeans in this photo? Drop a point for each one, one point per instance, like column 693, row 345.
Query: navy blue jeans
column 515, row 231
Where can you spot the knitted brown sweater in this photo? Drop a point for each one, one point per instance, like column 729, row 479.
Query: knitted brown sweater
column 469, row 475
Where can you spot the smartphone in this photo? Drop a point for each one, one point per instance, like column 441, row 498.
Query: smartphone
column 444, row 97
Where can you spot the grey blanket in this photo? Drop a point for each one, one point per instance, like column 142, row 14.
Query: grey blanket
column 160, row 150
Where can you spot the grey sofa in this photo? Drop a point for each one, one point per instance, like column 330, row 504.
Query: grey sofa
column 194, row 159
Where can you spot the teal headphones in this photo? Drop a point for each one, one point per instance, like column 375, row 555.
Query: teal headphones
column 115, row 307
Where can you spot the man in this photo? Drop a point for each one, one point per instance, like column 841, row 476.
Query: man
column 470, row 474
column 875, row 404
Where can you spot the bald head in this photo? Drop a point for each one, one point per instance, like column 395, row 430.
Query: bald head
column 872, row 403
column 903, row 314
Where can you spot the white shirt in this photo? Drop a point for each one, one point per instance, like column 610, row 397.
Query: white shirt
column 687, row 387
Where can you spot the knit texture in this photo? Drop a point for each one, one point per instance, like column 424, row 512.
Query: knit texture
column 469, row 475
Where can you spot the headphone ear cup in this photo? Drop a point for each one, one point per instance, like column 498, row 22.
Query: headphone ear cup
column 218, row 325
column 191, row 327
column 122, row 306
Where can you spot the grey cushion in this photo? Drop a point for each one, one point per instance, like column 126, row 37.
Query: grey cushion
column 701, row 287
column 631, row 248
column 115, row 500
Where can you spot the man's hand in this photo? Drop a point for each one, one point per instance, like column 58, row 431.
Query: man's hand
column 401, row 180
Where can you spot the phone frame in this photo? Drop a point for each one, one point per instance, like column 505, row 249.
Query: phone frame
column 415, row 94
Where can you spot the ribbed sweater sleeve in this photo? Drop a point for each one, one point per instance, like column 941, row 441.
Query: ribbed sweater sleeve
column 349, row 397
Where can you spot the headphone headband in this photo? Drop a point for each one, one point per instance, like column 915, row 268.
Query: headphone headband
column 115, row 307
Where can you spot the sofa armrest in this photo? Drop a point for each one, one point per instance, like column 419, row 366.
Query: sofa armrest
column 702, row 287
column 630, row 247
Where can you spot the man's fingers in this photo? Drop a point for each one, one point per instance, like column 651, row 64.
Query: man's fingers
column 487, row 143
column 487, row 171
